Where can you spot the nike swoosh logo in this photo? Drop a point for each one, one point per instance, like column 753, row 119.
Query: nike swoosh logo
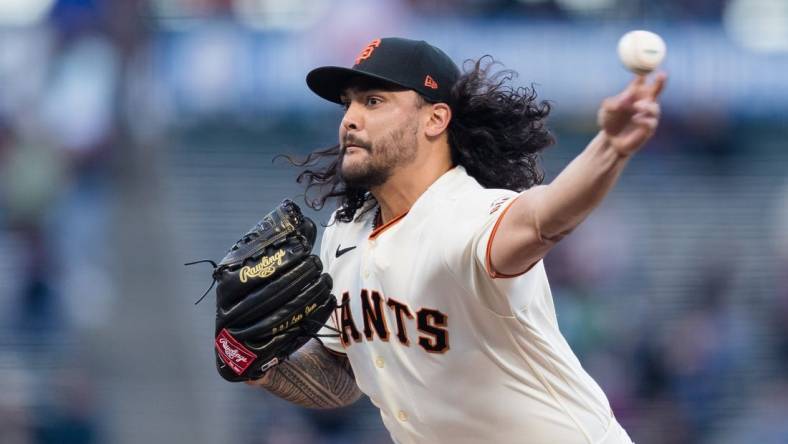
column 341, row 251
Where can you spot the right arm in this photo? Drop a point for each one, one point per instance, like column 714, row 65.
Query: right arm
column 543, row 215
column 312, row 377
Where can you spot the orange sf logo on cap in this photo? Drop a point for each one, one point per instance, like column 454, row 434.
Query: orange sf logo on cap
column 367, row 51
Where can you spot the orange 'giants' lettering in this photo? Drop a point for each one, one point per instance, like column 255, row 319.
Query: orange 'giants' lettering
column 346, row 322
column 400, row 309
column 433, row 334
column 373, row 315
column 430, row 322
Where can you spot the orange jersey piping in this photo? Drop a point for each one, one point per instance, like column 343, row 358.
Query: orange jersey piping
column 376, row 232
column 488, row 259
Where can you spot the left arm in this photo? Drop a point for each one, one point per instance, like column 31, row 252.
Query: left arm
column 543, row 215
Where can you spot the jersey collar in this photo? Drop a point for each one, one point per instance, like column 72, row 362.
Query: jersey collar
column 447, row 182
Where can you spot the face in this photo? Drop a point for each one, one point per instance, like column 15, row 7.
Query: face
column 378, row 134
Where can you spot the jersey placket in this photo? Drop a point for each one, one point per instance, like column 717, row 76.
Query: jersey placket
column 392, row 402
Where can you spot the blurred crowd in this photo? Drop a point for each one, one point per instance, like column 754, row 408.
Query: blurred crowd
column 675, row 295
column 57, row 132
column 549, row 9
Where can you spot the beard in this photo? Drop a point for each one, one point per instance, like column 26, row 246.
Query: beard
column 395, row 149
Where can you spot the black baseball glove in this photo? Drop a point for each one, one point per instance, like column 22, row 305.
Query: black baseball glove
column 271, row 297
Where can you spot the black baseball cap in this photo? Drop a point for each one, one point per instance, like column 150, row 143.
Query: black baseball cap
column 411, row 64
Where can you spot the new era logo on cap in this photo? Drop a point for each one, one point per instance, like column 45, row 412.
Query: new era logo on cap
column 430, row 83
column 409, row 64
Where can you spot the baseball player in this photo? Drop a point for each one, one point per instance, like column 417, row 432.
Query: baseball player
column 446, row 320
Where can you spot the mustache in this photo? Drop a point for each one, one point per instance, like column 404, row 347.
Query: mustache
column 350, row 139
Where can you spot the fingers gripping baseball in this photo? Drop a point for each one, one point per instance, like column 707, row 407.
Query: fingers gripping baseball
column 630, row 118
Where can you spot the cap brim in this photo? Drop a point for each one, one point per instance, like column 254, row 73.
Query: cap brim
column 329, row 82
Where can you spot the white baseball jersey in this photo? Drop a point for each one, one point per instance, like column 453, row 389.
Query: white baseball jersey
column 446, row 350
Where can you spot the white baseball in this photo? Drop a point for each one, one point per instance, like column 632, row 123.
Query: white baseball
column 641, row 51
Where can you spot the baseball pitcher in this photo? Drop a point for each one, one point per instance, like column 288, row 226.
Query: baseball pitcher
column 429, row 294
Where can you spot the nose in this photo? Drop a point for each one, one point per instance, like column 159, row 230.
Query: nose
column 352, row 119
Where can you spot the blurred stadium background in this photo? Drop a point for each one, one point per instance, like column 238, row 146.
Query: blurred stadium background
column 136, row 135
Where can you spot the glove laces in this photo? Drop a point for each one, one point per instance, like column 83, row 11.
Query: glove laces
column 208, row 261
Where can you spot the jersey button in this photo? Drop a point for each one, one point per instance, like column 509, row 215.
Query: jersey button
column 379, row 362
column 366, row 274
column 402, row 416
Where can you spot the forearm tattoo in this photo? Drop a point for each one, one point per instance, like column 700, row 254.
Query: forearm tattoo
column 313, row 377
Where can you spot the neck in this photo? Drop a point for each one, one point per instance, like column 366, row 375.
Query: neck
column 407, row 184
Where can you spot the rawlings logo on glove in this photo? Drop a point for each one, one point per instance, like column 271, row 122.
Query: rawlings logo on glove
column 233, row 353
column 265, row 268
column 272, row 295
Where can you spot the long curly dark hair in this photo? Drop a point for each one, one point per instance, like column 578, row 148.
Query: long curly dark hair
column 496, row 132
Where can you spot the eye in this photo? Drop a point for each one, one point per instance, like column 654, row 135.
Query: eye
column 374, row 100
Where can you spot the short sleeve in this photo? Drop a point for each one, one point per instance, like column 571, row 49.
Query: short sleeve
column 467, row 255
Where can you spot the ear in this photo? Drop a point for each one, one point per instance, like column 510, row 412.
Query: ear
column 438, row 118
